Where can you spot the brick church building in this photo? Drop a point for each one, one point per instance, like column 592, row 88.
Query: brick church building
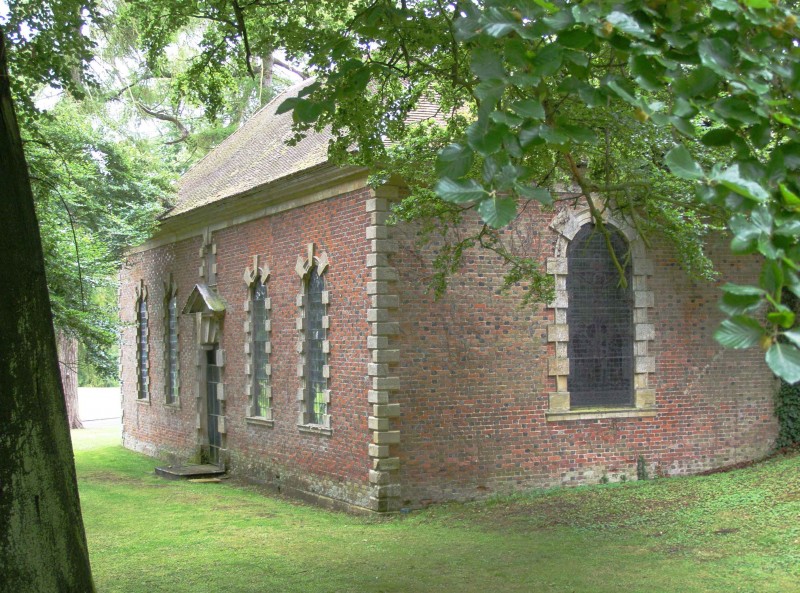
column 277, row 326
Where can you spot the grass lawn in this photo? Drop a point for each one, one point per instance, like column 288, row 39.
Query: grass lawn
column 738, row 531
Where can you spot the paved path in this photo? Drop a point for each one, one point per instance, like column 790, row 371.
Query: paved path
column 99, row 406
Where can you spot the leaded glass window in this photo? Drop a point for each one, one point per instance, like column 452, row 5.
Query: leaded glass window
column 172, row 350
column 141, row 347
column 260, row 357
column 600, row 318
column 315, row 355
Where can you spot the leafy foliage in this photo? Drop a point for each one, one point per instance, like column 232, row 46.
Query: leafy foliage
column 95, row 195
column 662, row 112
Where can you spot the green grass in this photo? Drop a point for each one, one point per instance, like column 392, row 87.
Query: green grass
column 737, row 531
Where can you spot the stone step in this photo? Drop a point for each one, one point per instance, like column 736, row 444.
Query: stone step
column 190, row 472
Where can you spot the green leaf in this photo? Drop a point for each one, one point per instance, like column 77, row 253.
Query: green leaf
column 490, row 91
column 794, row 336
column 548, row 61
column 487, row 64
column 771, row 278
column 575, row 39
column 758, row 4
column 738, row 304
column 742, row 289
column 647, row 75
column 735, row 109
column 716, row 54
column 739, row 332
column 719, row 137
column 505, row 179
column 508, row 119
column 486, row 140
column 529, row 108
column 627, row 24
column 622, row 90
column 578, row 133
column 733, row 180
column 498, row 22
column 497, row 212
column 682, row 165
column 459, row 192
column 784, row 360
column 783, row 318
column 454, row 161
column 790, row 198
column 554, row 135
column 540, row 194
column 698, row 83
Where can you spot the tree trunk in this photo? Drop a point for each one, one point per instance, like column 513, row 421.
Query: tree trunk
column 267, row 64
column 68, row 364
column 42, row 541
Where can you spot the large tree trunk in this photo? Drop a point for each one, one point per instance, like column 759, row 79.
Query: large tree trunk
column 42, row 541
column 68, row 363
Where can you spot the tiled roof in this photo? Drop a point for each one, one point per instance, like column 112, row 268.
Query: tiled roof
column 254, row 155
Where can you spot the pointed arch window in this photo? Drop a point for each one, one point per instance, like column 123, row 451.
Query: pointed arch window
column 258, row 346
column 261, row 389
column 316, row 382
column 313, row 322
column 600, row 319
column 142, row 351
column 171, row 360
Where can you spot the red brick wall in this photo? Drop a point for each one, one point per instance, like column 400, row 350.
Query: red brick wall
column 335, row 465
column 474, row 384
column 153, row 427
column 473, row 371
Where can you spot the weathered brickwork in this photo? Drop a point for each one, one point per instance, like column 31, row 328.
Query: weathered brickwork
column 432, row 400
column 475, row 382
column 332, row 465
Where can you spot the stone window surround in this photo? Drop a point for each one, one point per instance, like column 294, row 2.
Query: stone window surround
column 141, row 295
column 170, row 292
column 303, row 269
column 567, row 224
column 253, row 274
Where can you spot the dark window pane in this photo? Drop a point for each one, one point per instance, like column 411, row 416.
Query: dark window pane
column 260, row 357
column 141, row 338
column 600, row 318
column 172, row 350
column 315, row 357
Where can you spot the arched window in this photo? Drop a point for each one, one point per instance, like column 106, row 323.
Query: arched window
column 316, row 382
column 172, row 349
column 261, row 390
column 142, row 361
column 600, row 318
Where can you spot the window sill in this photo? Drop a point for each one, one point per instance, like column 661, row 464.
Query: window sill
column 174, row 406
column 314, row 429
column 143, row 400
column 259, row 421
column 599, row 413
